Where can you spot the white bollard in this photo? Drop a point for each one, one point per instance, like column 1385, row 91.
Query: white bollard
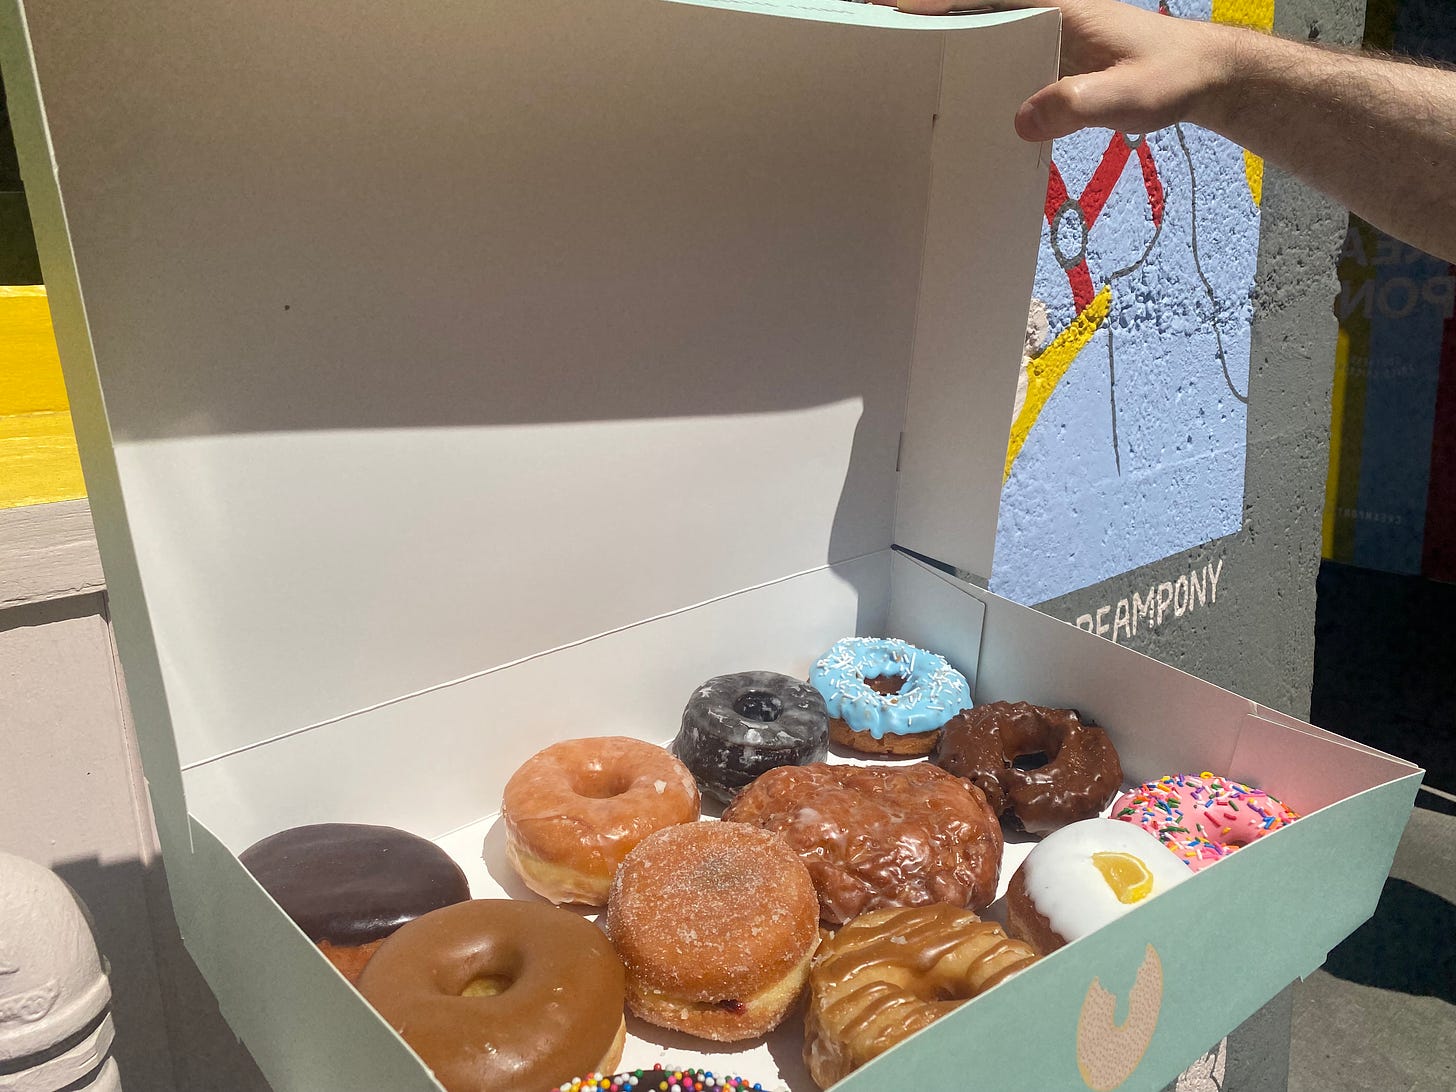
column 55, row 1023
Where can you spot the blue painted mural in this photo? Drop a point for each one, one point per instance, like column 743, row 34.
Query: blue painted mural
column 1130, row 430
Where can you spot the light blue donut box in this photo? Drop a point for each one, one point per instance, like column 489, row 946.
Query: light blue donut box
column 457, row 378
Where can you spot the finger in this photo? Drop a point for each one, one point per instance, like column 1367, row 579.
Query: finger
column 961, row 7
column 1098, row 100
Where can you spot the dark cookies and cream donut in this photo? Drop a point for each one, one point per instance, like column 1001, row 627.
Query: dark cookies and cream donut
column 736, row 727
column 348, row 886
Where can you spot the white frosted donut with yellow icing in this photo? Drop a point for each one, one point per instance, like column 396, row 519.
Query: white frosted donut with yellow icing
column 1084, row 876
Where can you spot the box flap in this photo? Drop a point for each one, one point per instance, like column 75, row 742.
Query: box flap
column 429, row 341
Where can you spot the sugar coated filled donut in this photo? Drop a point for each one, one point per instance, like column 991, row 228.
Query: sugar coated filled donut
column 889, row 973
column 1202, row 818
column 878, row 836
column 350, row 885
column 501, row 996
column 574, row 810
column 736, row 727
column 1080, row 878
column 885, row 696
column 716, row 923
column 1078, row 774
column 658, row 1079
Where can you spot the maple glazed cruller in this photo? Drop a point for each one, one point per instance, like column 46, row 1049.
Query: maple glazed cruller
column 573, row 811
column 1080, row 775
column 889, row 973
column 880, row 836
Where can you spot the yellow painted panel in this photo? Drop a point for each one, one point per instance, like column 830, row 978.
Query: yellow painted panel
column 38, row 460
column 30, row 370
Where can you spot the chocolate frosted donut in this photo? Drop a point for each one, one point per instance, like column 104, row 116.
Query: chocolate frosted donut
column 1081, row 773
column 736, row 727
column 880, row 836
column 348, row 886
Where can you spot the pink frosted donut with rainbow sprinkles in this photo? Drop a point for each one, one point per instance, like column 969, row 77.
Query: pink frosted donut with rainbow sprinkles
column 1204, row 818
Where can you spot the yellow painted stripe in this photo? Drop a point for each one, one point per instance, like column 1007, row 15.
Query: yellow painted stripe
column 38, row 460
column 1254, row 173
column 1245, row 13
column 1337, row 431
column 1045, row 370
column 1258, row 14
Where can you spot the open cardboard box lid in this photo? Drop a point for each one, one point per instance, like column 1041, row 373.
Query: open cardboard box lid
column 417, row 353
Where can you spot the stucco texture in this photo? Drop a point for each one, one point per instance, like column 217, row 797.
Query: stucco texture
column 1129, row 443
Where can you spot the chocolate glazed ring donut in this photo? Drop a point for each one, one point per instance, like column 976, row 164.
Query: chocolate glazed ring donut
column 1080, row 775
column 502, row 996
column 736, row 727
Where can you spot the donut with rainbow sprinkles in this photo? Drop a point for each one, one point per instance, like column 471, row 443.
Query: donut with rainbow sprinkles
column 1202, row 818
column 658, row 1079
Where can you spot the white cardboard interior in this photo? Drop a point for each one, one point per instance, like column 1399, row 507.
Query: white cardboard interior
column 455, row 338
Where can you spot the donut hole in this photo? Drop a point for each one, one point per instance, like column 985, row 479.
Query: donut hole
column 600, row 784
column 887, row 685
column 488, row 985
column 1031, row 760
column 759, row 705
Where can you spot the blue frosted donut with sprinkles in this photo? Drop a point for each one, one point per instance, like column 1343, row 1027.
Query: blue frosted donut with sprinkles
column 887, row 697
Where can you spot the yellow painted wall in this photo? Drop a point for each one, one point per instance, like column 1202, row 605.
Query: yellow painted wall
column 38, row 461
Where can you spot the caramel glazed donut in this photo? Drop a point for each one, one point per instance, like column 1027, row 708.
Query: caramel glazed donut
column 889, row 973
column 501, row 996
column 576, row 809
column 879, row 836
column 1081, row 775
column 716, row 923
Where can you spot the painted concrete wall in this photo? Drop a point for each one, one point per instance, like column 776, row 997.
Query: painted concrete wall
column 1129, row 443
column 1392, row 487
column 1250, row 625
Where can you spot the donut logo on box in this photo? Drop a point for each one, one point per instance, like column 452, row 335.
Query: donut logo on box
column 1108, row 1052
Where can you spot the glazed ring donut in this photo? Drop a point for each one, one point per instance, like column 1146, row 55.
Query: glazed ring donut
column 736, row 727
column 716, row 923
column 888, row 697
column 1202, row 819
column 574, row 810
column 501, row 995
column 889, row 973
column 1081, row 774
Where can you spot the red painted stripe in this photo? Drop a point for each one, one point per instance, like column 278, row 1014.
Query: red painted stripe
column 1056, row 192
column 1099, row 188
column 1151, row 182
column 1438, row 551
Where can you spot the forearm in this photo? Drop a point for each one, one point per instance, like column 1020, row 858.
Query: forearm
column 1375, row 134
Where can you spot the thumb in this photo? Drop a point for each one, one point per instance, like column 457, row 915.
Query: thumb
column 1109, row 99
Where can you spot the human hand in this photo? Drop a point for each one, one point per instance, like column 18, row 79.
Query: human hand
column 1123, row 67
